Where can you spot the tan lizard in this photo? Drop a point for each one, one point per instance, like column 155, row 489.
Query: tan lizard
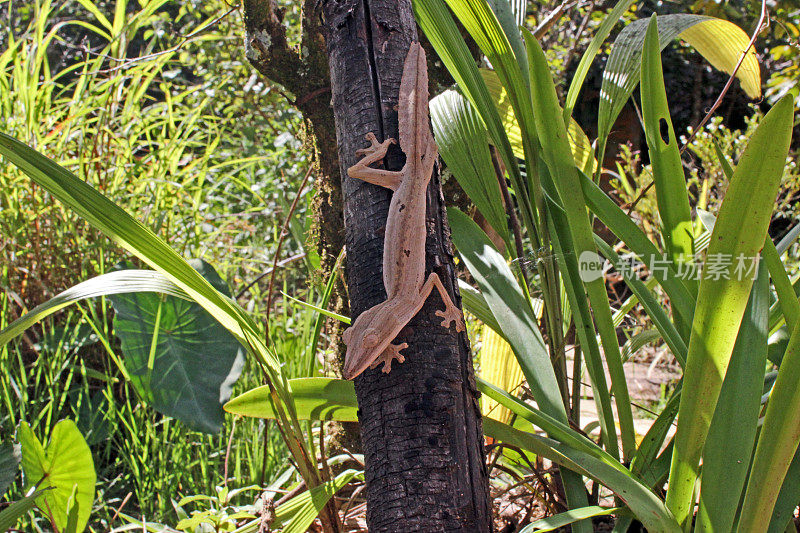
column 369, row 339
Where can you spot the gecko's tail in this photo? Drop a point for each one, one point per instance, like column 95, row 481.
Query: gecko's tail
column 413, row 102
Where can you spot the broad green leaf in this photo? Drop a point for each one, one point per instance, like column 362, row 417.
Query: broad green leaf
column 515, row 316
column 11, row 514
column 499, row 367
column 719, row 41
column 787, row 298
column 721, row 302
column 9, row 465
column 297, row 514
column 179, row 358
column 671, row 194
column 777, row 443
column 314, row 399
column 509, row 306
column 732, row 433
column 580, row 238
column 786, row 503
column 461, row 138
column 552, row 523
column 66, row 466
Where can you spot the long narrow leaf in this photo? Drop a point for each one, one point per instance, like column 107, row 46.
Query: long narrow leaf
column 671, row 195
column 777, row 444
column 732, row 433
column 556, row 152
column 721, row 302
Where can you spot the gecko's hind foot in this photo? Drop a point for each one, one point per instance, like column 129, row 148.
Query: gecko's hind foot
column 391, row 353
column 375, row 146
column 451, row 315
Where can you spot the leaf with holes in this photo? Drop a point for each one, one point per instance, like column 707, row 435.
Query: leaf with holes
column 719, row 41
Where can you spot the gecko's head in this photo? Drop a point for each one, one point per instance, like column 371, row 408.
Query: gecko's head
column 364, row 342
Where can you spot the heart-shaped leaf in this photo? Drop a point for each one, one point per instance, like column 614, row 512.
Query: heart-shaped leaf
column 181, row 360
column 66, row 466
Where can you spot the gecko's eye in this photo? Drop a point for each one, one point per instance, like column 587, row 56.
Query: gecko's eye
column 347, row 335
column 371, row 339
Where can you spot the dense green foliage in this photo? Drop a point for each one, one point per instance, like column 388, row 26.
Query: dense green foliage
column 169, row 148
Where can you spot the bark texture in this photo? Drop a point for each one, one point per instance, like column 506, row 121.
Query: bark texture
column 421, row 425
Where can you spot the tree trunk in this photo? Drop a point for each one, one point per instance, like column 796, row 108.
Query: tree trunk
column 421, row 425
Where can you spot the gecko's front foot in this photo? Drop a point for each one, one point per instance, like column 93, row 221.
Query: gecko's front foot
column 391, row 353
column 450, row 315
column 375, row 146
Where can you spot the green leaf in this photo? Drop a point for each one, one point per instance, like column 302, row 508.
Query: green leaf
column 719, row 41
column 721, row 302
column 777, row 443
column 9, row 465
column 123, row 281
column 588, row 56
column 436, row 21
column 510, row 308
column 645, row 505
column 732, row 433
column 66, row 466
column 671, row 194
column 579, row 143
column 314, row 399
column 552, row 523
column 557, row 154
column 132, row 235
column 786, row 503
column 335, row 399
column 461, row 138
column 11, row 514
column 178, row 357
column 474, row 302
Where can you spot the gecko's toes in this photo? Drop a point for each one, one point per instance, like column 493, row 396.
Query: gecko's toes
column 391, row 353
column 449, row 317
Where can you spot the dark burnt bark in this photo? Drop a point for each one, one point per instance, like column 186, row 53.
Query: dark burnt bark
column 421, row 426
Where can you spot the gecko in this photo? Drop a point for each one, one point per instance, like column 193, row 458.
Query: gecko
column 369, row 339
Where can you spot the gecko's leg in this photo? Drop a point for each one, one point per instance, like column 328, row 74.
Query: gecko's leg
column 391, row 353
column 362, row 170
column 451, row 313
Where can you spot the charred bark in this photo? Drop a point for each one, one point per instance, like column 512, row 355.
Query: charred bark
column 421, row 426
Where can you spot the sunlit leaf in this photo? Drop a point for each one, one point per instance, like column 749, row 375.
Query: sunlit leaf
column 66, row 466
